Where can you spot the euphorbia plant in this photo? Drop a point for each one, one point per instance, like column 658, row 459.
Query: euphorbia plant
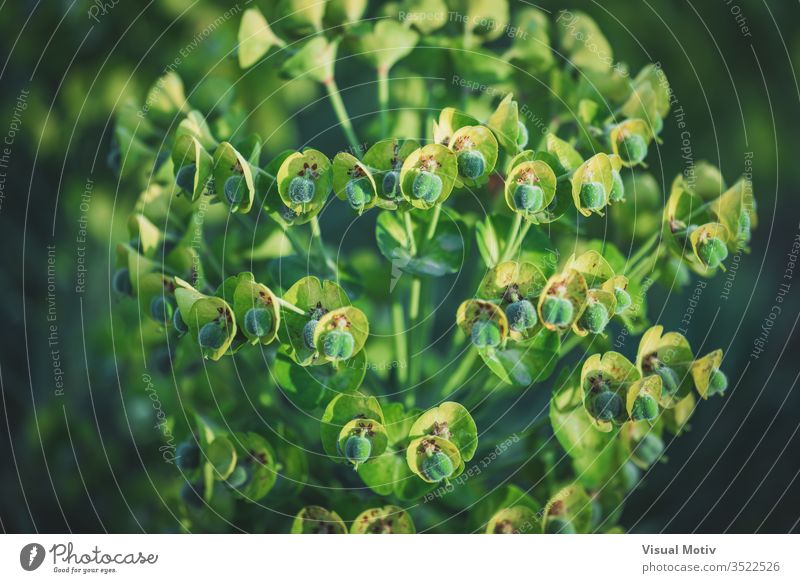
column 300, row 321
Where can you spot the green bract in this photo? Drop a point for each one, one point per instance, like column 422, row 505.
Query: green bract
column 670, row 357
column 530, row 188
column 353, row 181
column 233, row 178
column 352, row 414
column 385, row 520
column 476, row 152
column 428, row 176
column 304, row 180
column 341, row 333
column 484, row 322
column 709, row 244
column 592, row 184
column 514, row 520
column 569, row 511
column 562, row 300
column 317, row 520
column 210, row 319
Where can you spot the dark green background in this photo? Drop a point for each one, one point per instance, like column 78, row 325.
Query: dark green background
column 76, row 465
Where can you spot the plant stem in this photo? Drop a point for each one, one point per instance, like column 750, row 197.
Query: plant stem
column 413, row 319
column 642, row 252
column 316, row 234
column 512, row 237
column 458, row 376
column 343, row 116
column 401, row 348
column 383, row 99
column 289, row 306
column 410, row 232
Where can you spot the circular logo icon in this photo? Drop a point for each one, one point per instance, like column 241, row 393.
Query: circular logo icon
column 31, row 556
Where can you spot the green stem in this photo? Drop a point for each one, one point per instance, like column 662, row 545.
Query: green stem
column 383, row 99
column 290, row 306
column 413, row 320
column 512, row 238
column 316, row 234
column 641, row 253
column 467, row 361
column 343, row 116
column 400, row 345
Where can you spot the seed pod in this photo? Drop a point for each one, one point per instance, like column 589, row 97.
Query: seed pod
column 187, row 456
column 529, row 198
column 617, row 188
column 712, row 252
column 471, row 164
column 632, row 148
column 594, row 317
column 557, row 311
column 258, row 322
column 559, row 526
column 338, row 345
column 427, row 187
column 121, row 282
column 301, row 190
column 211, row 336
column 485, row 334
column 645, row 408
column 437, row 466
column 623, row 299
column 240, row 477
column 744, row 226
column 357, row 449
column 522, row 135
column 308, row 333
column 359, row 192
column 670, row 381
column 605, row 406
column 648, row 450
column 178, row 322
column 717, row 383
column 184, row 178
column 521, row 315
column 235, row 190
column 593, row 196
column 162, row 308
column 390, row 184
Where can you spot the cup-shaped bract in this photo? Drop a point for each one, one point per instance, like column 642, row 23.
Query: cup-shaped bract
column 604, row 374
column 594, row 268
column 233, row 179
column 422, row 456
column 710, row 244
column 708, row 379
column 316, row 298
column 506, row 125
column 341, row 333
column 592, row 184
column 361, row 440
column 568, row 287
column 450, row 421
column 512, row 282
column 338, row 419
column 567, row 156
column 618, row 285
column 676, row 419
column 630, row 141
column 257, row 311
column 304, row 181
column 600, row 307
column 193, row 165
column 451, row 120
column 428, row 176
column 386, row 43
column 255, row 38
column 476, row 153
column 257, row 460
column 314, row 60
column 736, row 209
column 530, row 188
column 569, row 511
column 514, row 520
column 385, row 520
column 318, row 520
column 483, row 322
column 385, row 161
column 354, row 182
column 670, row 357
column 211, row 320
column 643, row 397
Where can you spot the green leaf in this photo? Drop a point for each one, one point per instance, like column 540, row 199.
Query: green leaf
column 584, row 42
column 255, row 38
column 302, row 17
column 311, row 386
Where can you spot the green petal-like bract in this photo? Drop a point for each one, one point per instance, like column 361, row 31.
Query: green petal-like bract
column 712, row 252
column 437, row 466
column 528, row 197
column 522, row 135
column 717, row 382
column 649, row 449
column 471, row 164
column 184, row 178
column 359, row 192
column 301, row 190
column 593, row 195
column 357, row 449
column 645, row 408
column 595, row 317
column 557, row 311
column 485, row 334
column 744, row 226
column 521, row 315
column 633, row 148
column 338, row 344
column 258, row 322
column 427, row 186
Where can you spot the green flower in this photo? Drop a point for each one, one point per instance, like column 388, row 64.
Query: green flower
column 338, row 345
column 427, row 186
column 557, row 311
column 301, row 190
column 471, row 164
column 485, row 334
column 357, row 449
column 185, row 178
column 437, row 466
column 712, row 251
column 593, row 195
column 632, row 148
column 258, row 322
column 528, row 197
column 645, row 408
column 717, row 382
column 595, row 317
column 521, row 315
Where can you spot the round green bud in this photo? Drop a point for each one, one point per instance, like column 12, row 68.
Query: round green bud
column 623, row 300
column 357, row 449
column 617, row 187
column 521, row 315
column 187, row 456
column 606, row 406
column 390, row 181
column 595, row 317
column 178, row 323
column 559, row 526
column 234, row 189
column 338, row 345
column 190, row 495
column 437, row 467
column 239, row 477
column 308, row 333
column 471, row 164
column 485, row 334
column 670, row 381
column 630, row 476
column 528, row 197
column 161, row 308
column 633, row 148
column 211, row 336
column 712, row 252
column 427, row 186
column 645, row 408
column 359, row 192
column 258, row 322
column 301, row 190
column 185, row 177
column 557, row 311
column 649, row 449
column 593, row 196
column 745, row 224
column 717, row 383
column 121, row 282
column 658, row 125
column 522, row 135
